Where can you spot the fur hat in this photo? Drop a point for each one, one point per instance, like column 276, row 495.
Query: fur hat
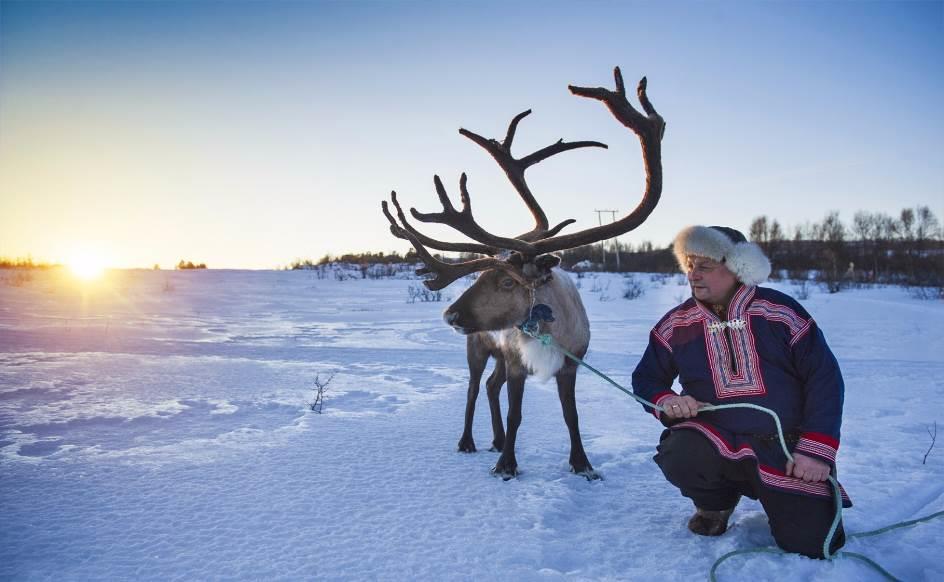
column 725, row 245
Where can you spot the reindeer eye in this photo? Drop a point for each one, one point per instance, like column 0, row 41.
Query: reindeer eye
column 507, row 283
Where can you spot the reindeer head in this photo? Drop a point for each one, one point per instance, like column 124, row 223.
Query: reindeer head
column 502, row 295
column 500, row 298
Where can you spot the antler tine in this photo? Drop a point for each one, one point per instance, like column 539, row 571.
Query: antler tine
column 551, row 232
column 445, row 273
column 512, row 127
column 649, row 129
column 644, row 99
column 397, row 229
column 465, row 223
column 618, row 79
column 561, row 146
column 515, row 168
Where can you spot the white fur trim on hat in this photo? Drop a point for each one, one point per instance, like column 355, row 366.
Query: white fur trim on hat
column 745, row 259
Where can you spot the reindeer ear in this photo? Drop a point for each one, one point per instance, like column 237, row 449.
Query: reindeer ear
column 547, row 262
column 515, row 259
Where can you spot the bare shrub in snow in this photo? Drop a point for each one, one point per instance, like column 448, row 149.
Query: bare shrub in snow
column 321, row 386
column 660, row 278
column 926, row 293
column 421, row 293
column 598, row 286
column 382, row 271
column 933, row 440
column 632, row 288
column 801, row 289
column 831, row 283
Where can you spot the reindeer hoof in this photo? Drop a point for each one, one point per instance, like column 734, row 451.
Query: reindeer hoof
column 497, row 447
column 466, row 445
column 585, row 470
column 588, row 474
column 505, row 474
column 505, row 470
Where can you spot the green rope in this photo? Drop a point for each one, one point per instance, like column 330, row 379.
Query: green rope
column 712, row 575
column 547, row 340
column 876, row 532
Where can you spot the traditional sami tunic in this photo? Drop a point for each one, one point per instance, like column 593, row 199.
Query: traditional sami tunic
column 769, row 352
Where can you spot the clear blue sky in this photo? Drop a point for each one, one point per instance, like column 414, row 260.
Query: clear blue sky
column 250, row 134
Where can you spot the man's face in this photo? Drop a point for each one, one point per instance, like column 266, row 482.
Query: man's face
column 711, row 281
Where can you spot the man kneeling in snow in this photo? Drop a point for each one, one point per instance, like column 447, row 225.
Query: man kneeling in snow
column 735, row 342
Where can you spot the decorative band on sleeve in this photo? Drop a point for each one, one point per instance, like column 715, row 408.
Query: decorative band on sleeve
column 658, row 401
column 818, row 445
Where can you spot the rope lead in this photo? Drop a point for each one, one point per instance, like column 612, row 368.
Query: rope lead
column 547, row 340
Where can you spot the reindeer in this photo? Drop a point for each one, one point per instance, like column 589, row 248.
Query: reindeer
column 520, row 284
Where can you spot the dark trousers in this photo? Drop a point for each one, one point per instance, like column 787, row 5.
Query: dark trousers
column 798, row 523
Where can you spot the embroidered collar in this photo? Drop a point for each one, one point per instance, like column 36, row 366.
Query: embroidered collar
column 736, row 309
column 716, row 326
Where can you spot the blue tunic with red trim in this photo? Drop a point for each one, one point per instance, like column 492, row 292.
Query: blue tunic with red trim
column 768, row 352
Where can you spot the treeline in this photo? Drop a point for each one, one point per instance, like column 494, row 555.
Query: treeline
column 875, row 247
column 24, row 263
column 367, row 258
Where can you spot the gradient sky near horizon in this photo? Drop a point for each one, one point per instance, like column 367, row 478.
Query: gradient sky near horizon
column 249, row 134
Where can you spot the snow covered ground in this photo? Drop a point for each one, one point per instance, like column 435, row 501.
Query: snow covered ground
column 154, row 426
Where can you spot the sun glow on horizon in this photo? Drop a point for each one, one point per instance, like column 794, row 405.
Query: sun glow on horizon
column 86, row 265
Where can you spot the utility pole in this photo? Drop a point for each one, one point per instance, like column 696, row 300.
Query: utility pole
column 615, row 239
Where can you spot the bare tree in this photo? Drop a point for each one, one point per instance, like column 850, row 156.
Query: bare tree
column 759, row 231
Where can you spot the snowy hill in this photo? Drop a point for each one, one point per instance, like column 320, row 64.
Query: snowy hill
column 155, row 426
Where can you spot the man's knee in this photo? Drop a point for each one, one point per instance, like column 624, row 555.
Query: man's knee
column 808, row 543
column 800, row 524
column 687, row 458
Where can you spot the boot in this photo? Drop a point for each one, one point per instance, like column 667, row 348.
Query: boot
column 709, row 523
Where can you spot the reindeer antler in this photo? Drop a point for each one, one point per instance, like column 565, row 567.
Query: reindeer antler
column 514, row 169
column 445, row 273
column 649, row 128
column 407, row 229
column 463, row 221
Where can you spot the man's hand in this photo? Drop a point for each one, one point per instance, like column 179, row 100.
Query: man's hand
column 681, row 407
column 807, row 468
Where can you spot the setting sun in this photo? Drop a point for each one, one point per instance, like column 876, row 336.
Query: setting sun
column 86, row 266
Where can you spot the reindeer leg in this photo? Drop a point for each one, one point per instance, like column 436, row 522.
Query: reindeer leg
column 493, row 386
column 507, row 465
column 566, row 381
column 477, row 357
